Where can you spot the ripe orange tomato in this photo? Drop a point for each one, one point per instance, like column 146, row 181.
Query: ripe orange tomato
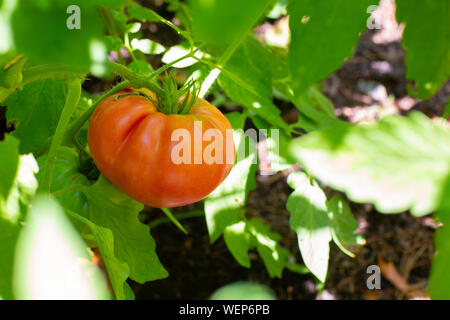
column 132, row 145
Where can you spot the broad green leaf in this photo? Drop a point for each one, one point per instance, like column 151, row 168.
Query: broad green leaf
column 427, row 62
column 238, row 242
column 323, row 34
column 251, row 85
column 243, row 291
column 343, row 224
column 9, row 162
column 307, row 205
column 399, row 163
column 223, row 204
column 51, row 260
column 111, row 208
column 221, row 23
column 440, row 278
column 267, row 244
column 53, row 41
column 36, row 108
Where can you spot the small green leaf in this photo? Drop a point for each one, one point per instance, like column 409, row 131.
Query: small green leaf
column 399, row 163
column 307, row 205
column 267, row 244
column 440, row 278
column 238, row 242
column 118, row 271
column 111, row 208
column 343, row 224
column 427, row 62
column 9, row 233
column 9, row 162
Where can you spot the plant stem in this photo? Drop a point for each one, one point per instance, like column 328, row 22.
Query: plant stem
column 73, row 97
column 179, row 216
column 172, row 218
column 75, row 127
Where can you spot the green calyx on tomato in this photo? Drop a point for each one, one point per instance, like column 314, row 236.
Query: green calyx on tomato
column 171, row 100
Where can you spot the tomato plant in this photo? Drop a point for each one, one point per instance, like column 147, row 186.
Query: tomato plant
column 118, row 110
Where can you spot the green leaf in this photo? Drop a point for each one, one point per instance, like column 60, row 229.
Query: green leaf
column 111, row 208
column 179, row 51
column 223, row 22
column 277, row 143
column 51, row 260
column 9, row 162
column 267, row 244
column 54, row 42
column 440, row 278
column 147, row 46
column 118, row 271
column 427, row 62
column 223, row 204
column 446, row 113
column 252, row 86
column 238, row 242
column 307, row 205
column 343, row 224
column 142, row 13
column 14, row 206
column 36, row 108
column 323, row 34
column 243, row 291
column 67, row 181
column 9, row 232
column 399, row 163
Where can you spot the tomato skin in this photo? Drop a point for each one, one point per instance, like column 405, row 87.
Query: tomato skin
column 130, row 142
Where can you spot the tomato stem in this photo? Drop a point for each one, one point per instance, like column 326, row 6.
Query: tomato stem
column 172, row 218
column 73, row 96
column 178, row 216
